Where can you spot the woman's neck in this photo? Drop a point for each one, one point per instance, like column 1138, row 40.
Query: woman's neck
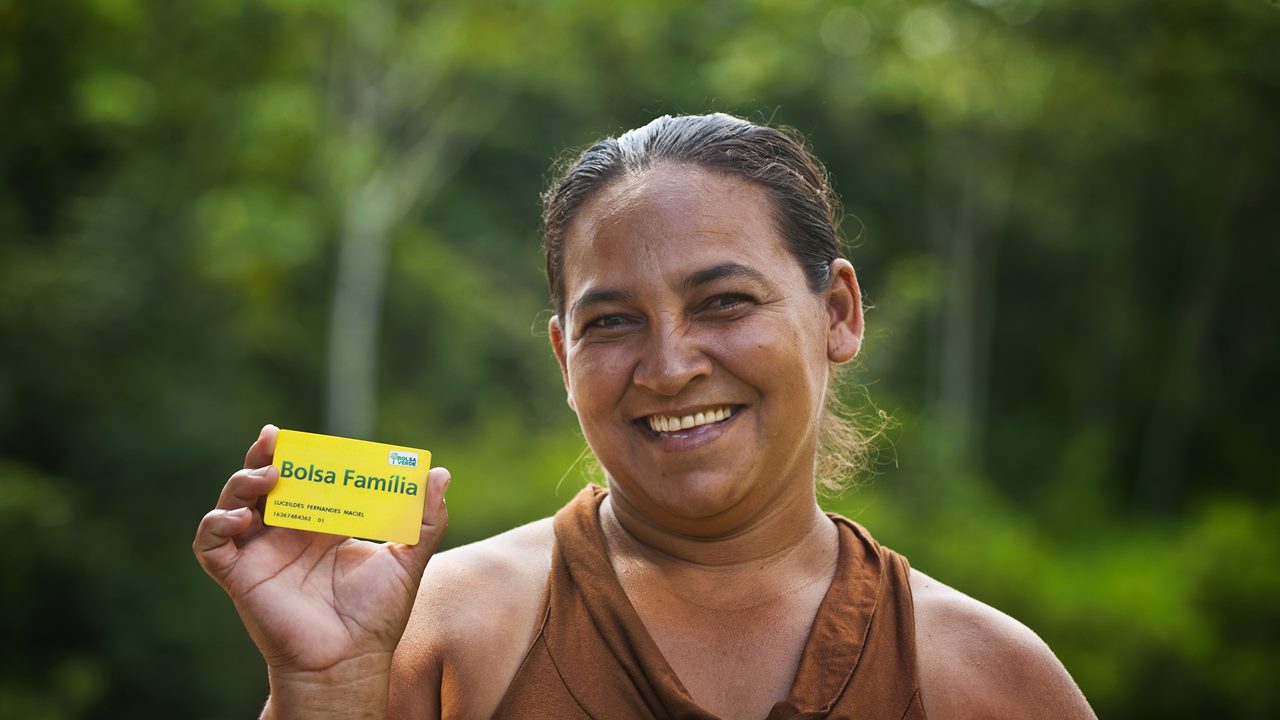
column 789, row 544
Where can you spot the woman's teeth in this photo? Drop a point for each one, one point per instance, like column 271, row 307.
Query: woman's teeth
column 671, row 423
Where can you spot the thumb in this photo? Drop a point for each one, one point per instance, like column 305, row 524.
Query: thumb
column 435, row 518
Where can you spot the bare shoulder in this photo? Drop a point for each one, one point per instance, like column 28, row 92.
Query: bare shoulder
column 977, row 662
column 472, row 623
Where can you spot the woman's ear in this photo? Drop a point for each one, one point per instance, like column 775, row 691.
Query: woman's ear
column 844, row 313
column 557, row 347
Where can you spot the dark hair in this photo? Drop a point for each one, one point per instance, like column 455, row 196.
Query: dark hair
column 805, row 208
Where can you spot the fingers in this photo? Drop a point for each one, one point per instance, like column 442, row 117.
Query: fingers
column 214, row 546
column 435, row 515
column 435, row 519
column 246, row 486
column 263, row 449
column 234, row 517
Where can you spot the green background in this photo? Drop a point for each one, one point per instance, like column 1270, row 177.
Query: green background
column 1063, row 212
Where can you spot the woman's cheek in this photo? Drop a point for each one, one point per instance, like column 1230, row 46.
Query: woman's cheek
column 752, row 339
column 602, row 370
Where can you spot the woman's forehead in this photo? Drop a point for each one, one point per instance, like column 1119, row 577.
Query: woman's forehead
column 670, row 218
column 679, row 187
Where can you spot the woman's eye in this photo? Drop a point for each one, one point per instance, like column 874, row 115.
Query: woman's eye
column 605, row 322
column 728, row 301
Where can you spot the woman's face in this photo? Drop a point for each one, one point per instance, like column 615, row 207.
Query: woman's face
column 693, row 351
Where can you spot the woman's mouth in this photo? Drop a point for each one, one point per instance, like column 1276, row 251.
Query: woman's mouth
column 681, row 425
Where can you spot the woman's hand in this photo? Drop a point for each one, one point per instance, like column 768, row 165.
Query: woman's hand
column 325, row 611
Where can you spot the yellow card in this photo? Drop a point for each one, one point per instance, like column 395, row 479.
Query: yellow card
column 348, row 487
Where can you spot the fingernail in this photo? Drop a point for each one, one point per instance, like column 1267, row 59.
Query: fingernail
column 444, row 489
column 238, row 513
column 259, row 472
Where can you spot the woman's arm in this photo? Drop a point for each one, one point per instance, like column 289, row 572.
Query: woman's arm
column 475, row 616
column 326, row 612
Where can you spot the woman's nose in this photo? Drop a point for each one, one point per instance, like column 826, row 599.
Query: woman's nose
column 672, row 358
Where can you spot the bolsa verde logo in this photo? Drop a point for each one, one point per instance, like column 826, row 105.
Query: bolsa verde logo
column 402, row 459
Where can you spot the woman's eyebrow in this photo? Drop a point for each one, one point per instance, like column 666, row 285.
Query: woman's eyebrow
column 722, row 271
column 692, row 281
column 595, row 297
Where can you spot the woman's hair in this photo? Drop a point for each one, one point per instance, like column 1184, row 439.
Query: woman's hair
column 804, row 207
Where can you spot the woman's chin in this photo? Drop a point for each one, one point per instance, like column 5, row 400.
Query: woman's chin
column 695, row 505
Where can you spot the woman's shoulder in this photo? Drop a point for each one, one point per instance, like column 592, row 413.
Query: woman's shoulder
column 517, row 559
column 490, row 583
column 474, row 619
column 976, row 661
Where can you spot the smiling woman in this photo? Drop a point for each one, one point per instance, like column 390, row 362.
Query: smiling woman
column 701, row 310
column 798, row 199
column 705, row 310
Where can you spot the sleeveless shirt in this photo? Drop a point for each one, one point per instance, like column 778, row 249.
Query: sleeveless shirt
column 592, row 657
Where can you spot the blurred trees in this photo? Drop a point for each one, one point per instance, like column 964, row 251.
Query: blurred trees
column 324, row 214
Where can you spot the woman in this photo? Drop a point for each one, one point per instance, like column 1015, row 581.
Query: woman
column 701, row 308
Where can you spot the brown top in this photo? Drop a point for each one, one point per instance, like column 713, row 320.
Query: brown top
column 593, row 658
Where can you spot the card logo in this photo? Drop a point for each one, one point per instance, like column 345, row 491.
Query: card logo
column 402, row 459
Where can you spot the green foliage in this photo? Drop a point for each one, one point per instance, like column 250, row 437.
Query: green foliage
column 1062, row 212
